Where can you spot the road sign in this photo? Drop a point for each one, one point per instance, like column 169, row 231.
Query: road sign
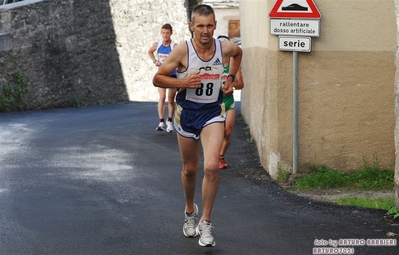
column 294, row 43
column 296, row 18
column 302, row 9
column 298, row 27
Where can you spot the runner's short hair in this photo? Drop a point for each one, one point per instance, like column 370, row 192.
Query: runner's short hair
column 167, row 26
column 202, row 10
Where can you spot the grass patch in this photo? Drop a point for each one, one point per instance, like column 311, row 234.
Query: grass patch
column 375, row 203
column 369, row 178
column 393, row 211
column 283, row 172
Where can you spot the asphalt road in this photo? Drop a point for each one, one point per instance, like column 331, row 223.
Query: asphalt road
column 101, row 180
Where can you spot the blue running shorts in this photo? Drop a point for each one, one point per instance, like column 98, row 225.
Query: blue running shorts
column 189, row 123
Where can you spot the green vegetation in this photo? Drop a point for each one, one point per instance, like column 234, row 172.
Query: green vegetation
column 375, row 203
column 393, row 211
column 77, row 103
column 283, row 172
column 369, row 178
column 387, row 204
column 12, row 95
column 247, row 131
column 250, row 140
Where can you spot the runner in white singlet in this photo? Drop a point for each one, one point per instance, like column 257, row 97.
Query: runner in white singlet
column 199, row 112
column 202, row 106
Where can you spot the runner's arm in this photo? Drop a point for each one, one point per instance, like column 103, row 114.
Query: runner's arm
column 239, row 83
column 235, row 53
column 175, row 59
column 151, row 52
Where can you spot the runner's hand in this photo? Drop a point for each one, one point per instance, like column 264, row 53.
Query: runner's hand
column 193, row 81
column 227, row 88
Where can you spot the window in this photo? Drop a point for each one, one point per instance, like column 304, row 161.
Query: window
column 234, row 28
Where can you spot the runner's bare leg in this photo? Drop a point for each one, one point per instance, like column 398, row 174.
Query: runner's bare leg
column 211, row 139
column 189, row 149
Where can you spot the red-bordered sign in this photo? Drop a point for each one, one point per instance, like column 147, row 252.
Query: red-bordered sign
column 291, row 9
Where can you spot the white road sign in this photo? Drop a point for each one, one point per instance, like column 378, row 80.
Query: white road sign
column 294, row 43
column 297, row 27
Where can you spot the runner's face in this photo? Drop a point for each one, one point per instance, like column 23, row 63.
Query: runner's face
column 166, row 33
column 203, row 28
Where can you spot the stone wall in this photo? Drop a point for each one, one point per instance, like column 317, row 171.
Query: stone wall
column 74, row 52
column 138, row 25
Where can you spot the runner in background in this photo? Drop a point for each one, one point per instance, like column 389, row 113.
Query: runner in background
column 163, row 49
column 229, row 103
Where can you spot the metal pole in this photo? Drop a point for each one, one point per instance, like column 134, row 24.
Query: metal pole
column 295, row 114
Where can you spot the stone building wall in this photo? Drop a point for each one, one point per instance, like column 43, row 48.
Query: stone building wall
column 137, row 25
column 73, row 52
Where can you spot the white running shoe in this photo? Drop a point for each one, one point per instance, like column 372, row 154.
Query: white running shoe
column 190, row 222
column 161, row 127
column 169, row 126
column 204, row 229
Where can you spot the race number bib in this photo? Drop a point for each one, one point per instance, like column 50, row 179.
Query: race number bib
column 209, row 90
column 162, row 57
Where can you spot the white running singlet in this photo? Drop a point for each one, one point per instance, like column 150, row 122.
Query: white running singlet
column 211, row 72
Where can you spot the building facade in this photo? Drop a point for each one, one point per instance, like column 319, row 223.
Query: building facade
column 345, row 87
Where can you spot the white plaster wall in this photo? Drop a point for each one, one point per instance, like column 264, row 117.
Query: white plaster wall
column 346, row 100
column 222, row 17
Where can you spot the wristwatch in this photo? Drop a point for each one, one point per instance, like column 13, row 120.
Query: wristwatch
column 232, row 76
column 155, row 60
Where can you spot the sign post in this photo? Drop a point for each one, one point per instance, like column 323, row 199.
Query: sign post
column 295, row 22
